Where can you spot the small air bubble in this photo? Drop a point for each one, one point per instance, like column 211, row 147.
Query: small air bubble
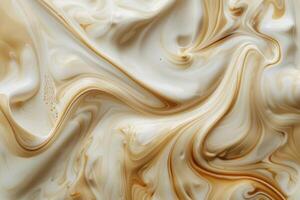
column 181, row 155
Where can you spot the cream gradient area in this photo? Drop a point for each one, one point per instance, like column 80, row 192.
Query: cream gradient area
column 149, row 99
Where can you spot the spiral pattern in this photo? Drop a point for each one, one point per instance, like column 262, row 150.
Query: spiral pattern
column 156, row 99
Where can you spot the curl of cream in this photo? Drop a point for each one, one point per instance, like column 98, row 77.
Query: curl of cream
column 157, row 99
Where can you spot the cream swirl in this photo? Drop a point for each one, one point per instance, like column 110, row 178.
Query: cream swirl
column 157, row 99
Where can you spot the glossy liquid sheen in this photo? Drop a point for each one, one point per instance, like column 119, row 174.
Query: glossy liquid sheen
column 149, row 99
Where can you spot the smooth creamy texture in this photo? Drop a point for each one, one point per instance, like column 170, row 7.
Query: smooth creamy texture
column 149, row 99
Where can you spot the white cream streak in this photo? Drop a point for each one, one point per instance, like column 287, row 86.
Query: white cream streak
column 149, row 99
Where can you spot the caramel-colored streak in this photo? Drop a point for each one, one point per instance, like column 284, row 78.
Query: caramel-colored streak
column 156, row 99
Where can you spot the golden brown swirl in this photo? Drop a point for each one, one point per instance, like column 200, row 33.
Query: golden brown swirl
column 150, row 99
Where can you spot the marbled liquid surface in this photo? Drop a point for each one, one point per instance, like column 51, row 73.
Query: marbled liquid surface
column 149, row 99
